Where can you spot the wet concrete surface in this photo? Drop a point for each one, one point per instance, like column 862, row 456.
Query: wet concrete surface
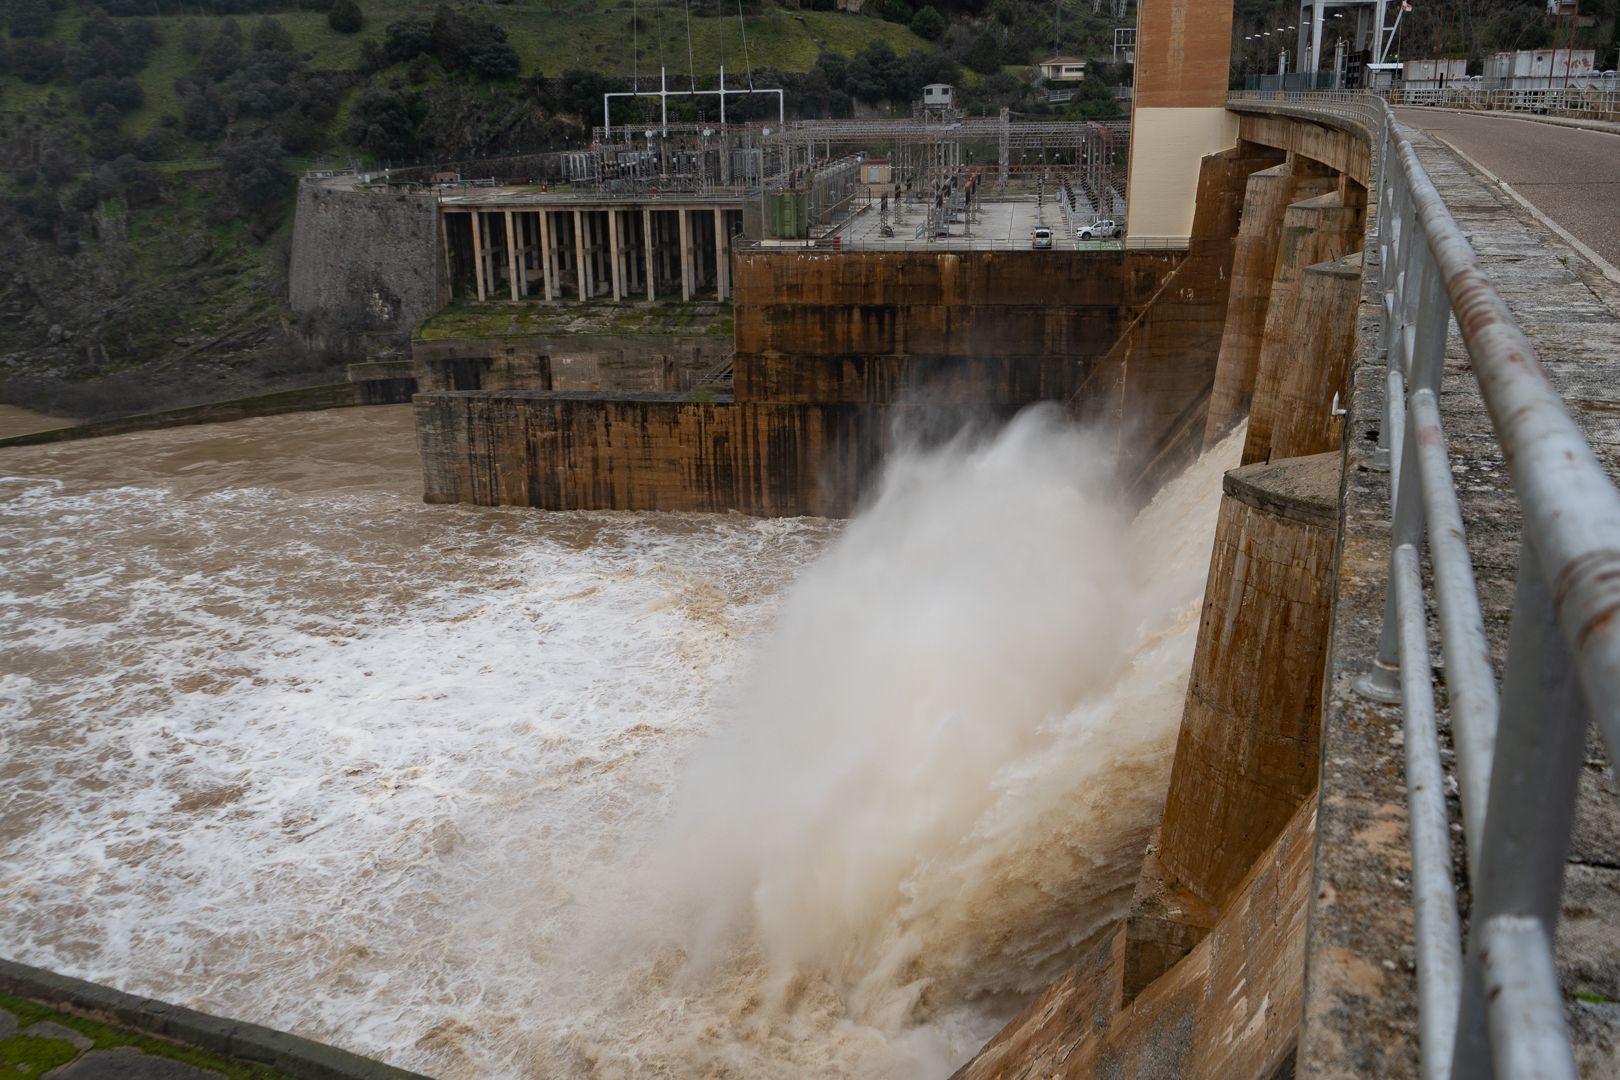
column 1570, row 174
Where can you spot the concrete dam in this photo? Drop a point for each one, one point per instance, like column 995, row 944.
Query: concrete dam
column 939, row 654
column 1235, row 326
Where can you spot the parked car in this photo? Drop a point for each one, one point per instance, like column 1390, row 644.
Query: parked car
column 1043, row 239
column 1097, row 230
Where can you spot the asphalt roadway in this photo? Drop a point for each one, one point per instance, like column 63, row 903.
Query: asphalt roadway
column 1572, row 175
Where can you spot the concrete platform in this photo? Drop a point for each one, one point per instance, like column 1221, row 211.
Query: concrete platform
column 995, row 225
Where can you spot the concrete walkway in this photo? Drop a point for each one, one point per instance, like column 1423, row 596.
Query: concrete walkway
column 1361, row 982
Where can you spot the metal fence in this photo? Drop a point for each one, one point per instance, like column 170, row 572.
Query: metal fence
column 1492, row 1004
column 1599, row 100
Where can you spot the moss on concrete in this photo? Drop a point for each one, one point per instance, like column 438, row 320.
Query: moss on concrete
column 29, row 1055
column 668, row 318
column 32, row 1056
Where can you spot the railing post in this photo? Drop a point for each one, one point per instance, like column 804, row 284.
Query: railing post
column 1540, row 743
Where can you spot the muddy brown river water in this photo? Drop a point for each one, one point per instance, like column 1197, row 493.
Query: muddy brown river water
column 498, row 793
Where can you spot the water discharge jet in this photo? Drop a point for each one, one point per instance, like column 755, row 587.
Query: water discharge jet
column 938, row 778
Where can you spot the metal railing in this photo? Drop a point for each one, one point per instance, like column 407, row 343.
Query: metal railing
column 1598, row 100
column 1491, row 1005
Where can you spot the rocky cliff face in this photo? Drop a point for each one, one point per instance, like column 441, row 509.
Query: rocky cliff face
column 173, row 280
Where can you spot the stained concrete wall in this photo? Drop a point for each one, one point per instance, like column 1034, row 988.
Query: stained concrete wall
column 1247, row 754
column 611, row 363
column 1314, row 231
column 364, row 261
column 1229, row 1009
column 996, row 327
column 1254, row 267
column 1154, row 382
column 658, row 452
column 831, row 349
column 1307, row 380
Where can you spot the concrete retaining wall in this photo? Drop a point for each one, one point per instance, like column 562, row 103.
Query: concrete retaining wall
column 871, row 326
column 364, row 261
column 306, row 399
column 611, row 363
column 659, row 452
column 251, row 1044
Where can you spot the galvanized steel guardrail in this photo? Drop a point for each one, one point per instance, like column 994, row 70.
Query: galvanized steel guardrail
column 1596, row 100
column 1492, row 1004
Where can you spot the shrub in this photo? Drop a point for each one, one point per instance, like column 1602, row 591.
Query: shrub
column 269, row 35
column 258, row 171
column 491, row 61
column 928, row 24
column 32, row 18
column 123, row 94
column 345, row 17
column 106, row 117
column 38, row 64
column 381, row 121
column 406, row 39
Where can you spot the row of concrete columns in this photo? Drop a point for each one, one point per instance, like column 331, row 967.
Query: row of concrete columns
column 594, row 252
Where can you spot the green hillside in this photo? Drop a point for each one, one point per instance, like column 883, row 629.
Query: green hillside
column 149, row 148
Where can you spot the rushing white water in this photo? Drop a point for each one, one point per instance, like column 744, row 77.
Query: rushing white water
column 488, row 793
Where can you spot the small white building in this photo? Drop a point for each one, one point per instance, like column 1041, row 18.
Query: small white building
column 1063, row 69
column 1427, row 74
column 938, row 95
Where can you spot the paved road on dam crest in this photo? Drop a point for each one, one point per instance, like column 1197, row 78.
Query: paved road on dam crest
column 1572, row 175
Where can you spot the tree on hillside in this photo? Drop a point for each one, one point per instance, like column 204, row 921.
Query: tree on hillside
column 37, row 64
column 383, row 122
column 407, row 39
column 582, row 94
column 270, row 36
column 984, row 54
column 201, row 118
column 1096, row 101
column 31, row 18
column 123, row 94
column 928, row 24
column 345, row 17
column 491, row 60
column 895, row 11
column 258, row 172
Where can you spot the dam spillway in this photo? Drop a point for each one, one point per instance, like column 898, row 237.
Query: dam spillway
column 264, row 759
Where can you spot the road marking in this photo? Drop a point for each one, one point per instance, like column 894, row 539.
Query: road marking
column 1603, row 265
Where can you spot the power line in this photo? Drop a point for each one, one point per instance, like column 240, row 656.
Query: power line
column 691, row 64
column 748, row 65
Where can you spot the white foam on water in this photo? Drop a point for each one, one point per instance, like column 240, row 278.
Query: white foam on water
column 489, row 793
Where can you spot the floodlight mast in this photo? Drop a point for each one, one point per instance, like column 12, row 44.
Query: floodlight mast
column 664, row 93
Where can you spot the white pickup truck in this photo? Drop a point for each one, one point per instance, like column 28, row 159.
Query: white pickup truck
column 1097, row 230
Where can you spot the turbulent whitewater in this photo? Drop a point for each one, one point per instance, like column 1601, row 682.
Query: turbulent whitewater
column 492, row 793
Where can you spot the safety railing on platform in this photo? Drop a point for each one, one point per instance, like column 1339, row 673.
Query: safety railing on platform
column 1491, row 1005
